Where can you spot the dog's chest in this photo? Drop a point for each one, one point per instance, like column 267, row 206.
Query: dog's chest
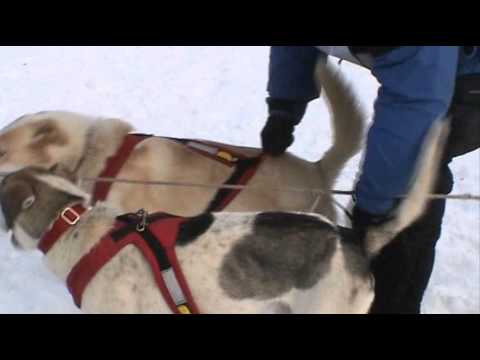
column 78, row 241
column 202, row 261
column 126, row 284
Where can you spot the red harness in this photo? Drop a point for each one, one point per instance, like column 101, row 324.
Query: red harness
column 245, row 168
column 68, row 218
column 155, row 236
column 114, row 165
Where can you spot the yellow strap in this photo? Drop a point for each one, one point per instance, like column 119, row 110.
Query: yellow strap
column 183, row 309
column 226, row 156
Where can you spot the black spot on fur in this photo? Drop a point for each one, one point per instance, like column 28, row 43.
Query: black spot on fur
column 189, row 231
column 284, row 251
column 282, row 219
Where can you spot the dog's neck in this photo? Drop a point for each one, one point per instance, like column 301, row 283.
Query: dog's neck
column 102, row 139
column 65, row 219
column 79, row 240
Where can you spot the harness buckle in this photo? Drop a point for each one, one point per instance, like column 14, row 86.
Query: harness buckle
column 67, row 219
column 141, row 226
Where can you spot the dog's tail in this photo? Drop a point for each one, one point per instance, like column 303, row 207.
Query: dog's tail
column 347, row 116
column 416, row 200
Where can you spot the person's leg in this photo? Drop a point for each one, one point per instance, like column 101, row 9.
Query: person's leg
column 402, row 271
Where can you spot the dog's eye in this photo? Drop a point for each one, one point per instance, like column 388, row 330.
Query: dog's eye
column 28, row 202
column 2, row 153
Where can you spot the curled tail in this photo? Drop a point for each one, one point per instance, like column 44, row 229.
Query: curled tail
column 348, row 120
column 416, row 200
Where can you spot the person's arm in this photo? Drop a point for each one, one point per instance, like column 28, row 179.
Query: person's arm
column 417, row 85
column 291, row 73
column 291, row 85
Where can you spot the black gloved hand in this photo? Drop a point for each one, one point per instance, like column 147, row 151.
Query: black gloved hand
column 277, row 135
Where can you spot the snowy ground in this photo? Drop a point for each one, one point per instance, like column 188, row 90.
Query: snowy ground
column 205, row 92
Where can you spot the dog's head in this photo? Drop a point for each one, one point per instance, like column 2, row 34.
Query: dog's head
column 42, row 139
column 32, row 198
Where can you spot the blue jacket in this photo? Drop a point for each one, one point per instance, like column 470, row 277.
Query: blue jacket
column 417, row 86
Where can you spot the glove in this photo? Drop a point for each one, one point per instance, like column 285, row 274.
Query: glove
column 277, row 135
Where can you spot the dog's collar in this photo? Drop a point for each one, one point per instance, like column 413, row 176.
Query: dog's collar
column 67, row 218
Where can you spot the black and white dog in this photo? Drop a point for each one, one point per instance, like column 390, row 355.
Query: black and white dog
column 274, row 262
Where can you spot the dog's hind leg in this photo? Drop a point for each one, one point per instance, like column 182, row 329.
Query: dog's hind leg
column 277, row 307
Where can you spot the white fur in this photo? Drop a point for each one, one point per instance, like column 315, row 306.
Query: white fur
column 10, row 168
column 348, row 120
column 64, row 185
column 23, row 238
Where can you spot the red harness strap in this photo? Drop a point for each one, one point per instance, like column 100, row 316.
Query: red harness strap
column 157, row 244
column 68, row 217
column 244, row 171
column 245, row 167
column 115, row 164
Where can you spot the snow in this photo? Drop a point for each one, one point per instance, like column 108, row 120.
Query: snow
column 214, row 93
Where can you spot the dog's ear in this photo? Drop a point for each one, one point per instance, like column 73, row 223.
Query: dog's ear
column 62, row 182
column 64, row 172
column 16, row 197
column 44, row 129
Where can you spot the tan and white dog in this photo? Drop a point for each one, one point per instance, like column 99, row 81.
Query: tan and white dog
column 83, row 144
column 270, row 262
